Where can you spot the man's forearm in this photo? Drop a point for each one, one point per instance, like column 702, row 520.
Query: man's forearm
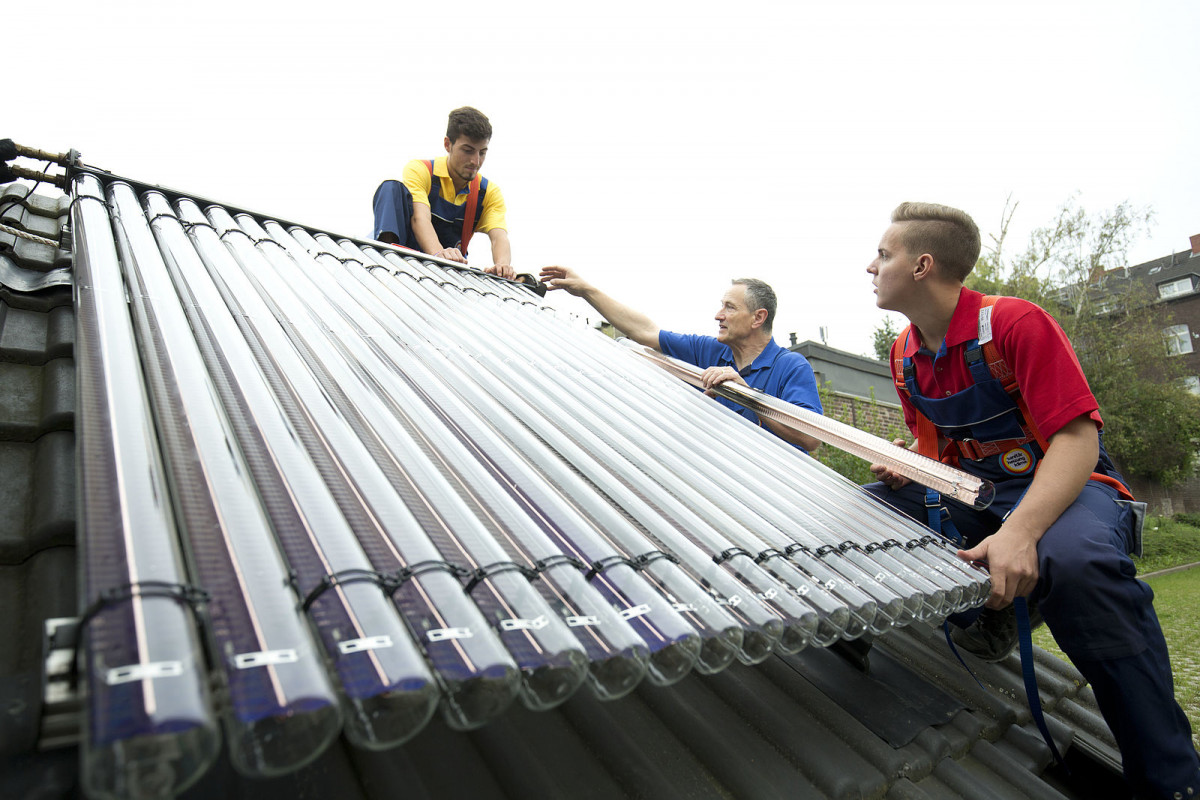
column 501, row 249
column 634, row 324
column 422, row 227
column 1063, row 473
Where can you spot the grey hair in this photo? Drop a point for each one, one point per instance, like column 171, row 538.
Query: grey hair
column 759, row 294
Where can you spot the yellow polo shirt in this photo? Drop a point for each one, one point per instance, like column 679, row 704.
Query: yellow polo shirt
column 417, row 179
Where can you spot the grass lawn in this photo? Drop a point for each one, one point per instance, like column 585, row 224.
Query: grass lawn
column 1177, row 601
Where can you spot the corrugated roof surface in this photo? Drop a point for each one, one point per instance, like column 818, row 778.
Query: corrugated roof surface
column 803, row 724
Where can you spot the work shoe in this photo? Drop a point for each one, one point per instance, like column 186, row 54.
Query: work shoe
column 993, row 634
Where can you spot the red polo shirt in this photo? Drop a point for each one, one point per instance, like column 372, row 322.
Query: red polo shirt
column 1031, row 343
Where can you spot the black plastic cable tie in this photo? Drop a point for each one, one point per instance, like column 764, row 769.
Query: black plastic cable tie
column 602, row 564
column 768, row 554
column 343, row 577
column 234, row 229
column 76, row 198
column 796, row 547
column 825, row 550
column 871, row 547
column 266, row 240
column 913, row 543
column 189, row 224
column 167, row 214
column 549, row 562
column 847, row 545
column 191, row 596
column 404, row 574
column 488, row 570
column 725, row 555
column 890, row 543
column 644, row 560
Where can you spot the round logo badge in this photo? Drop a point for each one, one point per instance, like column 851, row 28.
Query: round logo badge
column 1019, row 461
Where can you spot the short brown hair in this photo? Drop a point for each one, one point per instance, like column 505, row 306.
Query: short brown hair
column 947, row 234
column 469, row 122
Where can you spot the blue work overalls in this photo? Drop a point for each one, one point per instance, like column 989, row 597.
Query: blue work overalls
column 393, row 206
column 1100, row 614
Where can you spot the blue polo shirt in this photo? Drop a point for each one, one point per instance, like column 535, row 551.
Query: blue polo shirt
column 778, row 372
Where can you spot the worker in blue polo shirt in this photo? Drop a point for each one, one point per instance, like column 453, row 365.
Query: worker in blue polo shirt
column 743, row 350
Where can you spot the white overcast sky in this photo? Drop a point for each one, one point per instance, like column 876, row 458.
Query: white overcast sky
column 661, row 148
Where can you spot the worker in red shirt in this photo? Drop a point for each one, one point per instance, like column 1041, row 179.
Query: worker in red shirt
column 992, row 386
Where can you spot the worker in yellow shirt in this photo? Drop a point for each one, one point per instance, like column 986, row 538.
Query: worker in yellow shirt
column 441, row 202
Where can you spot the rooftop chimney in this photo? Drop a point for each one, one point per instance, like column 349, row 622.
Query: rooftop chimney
column 1196, row 244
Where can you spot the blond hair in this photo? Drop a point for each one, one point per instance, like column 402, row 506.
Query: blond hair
column 947, row 234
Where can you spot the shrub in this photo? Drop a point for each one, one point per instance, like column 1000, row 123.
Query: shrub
column 1187, row 519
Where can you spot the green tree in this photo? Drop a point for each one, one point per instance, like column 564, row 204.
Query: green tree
column 1073, row 267
column 882, row 338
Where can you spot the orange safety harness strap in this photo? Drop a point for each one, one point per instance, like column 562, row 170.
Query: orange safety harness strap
column 469, row 217
column 468, row 227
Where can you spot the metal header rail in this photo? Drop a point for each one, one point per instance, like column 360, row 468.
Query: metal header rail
column 951, row 482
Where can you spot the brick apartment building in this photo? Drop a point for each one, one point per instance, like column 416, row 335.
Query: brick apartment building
column 1174, row 282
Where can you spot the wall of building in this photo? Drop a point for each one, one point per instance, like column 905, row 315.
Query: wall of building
column 1186, row 311
column 880, row 419
column 1182, row 498
column 848, row 373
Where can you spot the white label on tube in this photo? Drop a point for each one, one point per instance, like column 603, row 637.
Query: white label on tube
column 368, row 643
column 635, row 611
column 576, row 622
column 442, row 634
column 684, row 606
column 139, row 672
column 264, row 658
column 769, row 594
column 535, row 624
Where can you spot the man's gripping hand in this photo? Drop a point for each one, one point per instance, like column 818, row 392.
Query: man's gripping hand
column 715, row 376
column 1012, row 561
column 893, row 480
column 450, row 254
column 502, row 270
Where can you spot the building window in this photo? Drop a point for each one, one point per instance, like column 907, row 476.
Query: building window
column 1181, row 286
column 1192, row 383
column 1179, row 340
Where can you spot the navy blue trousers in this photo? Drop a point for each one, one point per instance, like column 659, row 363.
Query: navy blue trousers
column 393, row 213
column 1103, row 618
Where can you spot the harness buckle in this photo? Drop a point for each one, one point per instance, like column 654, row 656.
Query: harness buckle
column 969, row 448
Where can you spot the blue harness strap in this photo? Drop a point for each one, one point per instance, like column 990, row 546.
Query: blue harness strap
column 1025, row 643
column 938, row 518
